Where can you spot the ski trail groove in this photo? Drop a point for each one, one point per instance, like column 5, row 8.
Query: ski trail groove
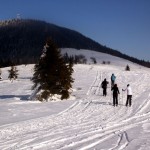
column 84, row 125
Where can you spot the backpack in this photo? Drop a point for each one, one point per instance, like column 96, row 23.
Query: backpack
column 104, row 84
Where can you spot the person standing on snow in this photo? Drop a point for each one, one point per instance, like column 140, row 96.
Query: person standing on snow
column 104, row 86
column 113, row 77
column 129, row 95
column 115, row 95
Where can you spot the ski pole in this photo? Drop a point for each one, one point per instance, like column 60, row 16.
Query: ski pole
column 122, row 97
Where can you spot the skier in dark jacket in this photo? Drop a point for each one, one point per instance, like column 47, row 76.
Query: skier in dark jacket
column 104, row 86
column 115, row 95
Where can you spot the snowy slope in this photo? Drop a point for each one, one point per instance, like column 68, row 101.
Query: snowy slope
column 87, row 121
column 100, row 57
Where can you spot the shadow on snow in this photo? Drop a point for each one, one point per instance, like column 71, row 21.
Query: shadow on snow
column 21, row 97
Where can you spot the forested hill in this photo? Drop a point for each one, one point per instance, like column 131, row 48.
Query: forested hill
column 22, row 40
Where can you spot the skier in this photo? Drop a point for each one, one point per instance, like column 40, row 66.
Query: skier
column 104, row 86
column 113, row 77
column 129, row 95
column 115, row 95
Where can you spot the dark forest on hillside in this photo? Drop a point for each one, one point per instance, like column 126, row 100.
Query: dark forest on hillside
column 22, row 41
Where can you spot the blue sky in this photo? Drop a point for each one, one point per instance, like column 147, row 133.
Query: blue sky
column 123, row 25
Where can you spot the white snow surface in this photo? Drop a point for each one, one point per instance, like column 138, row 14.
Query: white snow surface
column 87, row 120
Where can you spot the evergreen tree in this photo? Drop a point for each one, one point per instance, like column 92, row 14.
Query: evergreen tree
column 127, row 68
column 51, row 74
column 13, row 73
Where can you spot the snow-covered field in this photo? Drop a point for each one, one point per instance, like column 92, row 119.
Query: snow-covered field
column 87, row 121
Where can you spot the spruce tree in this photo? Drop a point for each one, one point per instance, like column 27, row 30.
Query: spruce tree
column 127, row 68
column 51, row 74
column 13, row 73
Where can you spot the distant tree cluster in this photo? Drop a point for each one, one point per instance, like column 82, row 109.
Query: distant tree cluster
column 106, row 62
column 76, row 59
column 94, row 60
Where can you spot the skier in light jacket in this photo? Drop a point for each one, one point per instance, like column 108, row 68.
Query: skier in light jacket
column 129, row 95
column 113, row 77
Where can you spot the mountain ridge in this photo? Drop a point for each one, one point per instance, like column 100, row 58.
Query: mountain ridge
column 22, row 41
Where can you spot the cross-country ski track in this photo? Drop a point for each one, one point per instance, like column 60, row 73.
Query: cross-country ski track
column 91, row 122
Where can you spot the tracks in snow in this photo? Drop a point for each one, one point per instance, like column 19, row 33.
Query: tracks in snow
column 87, row 124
